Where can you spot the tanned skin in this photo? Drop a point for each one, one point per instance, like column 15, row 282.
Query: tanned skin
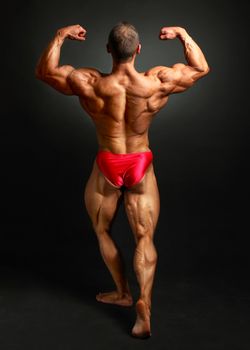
column 122, row 105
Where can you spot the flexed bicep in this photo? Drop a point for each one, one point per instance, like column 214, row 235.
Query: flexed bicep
column 48, row 68
column 181, row 76
column 178, row 78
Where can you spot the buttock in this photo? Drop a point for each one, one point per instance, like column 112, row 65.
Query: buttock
column 123, row 169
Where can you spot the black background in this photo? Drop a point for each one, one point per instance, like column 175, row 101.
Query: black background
column 200, row 146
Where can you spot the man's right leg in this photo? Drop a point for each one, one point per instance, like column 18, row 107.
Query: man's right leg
column 101, row 200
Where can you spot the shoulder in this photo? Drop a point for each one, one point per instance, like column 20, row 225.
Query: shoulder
column 85, row 74
column 161, row 73
column 164, row 73
column 83, row 80
column 154, row 70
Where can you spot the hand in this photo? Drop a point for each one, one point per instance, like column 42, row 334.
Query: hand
column 75, row 32
column 167, row 33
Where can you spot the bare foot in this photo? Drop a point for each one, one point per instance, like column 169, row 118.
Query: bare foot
column 141, row 328
column 115, row 298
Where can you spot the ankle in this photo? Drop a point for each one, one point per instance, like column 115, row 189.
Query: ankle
column 124, row 291
column 120, row 292
column 146, row 301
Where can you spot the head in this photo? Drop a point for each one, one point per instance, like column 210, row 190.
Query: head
column 123, row 42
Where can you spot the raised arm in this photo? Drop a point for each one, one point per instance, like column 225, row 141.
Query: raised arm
column 48, row 69
column 181, row 76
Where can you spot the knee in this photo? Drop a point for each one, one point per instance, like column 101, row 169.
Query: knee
column 144, row 230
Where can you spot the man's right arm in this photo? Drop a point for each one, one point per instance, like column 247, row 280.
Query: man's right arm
column 181, row 76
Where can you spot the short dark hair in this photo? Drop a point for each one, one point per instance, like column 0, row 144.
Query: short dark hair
column 123, row 40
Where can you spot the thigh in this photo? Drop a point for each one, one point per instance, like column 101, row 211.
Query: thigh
column 101, row 200
column 142, row 203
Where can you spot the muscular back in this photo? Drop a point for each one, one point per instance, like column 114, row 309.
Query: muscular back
column 123, row 103
column 121, row 106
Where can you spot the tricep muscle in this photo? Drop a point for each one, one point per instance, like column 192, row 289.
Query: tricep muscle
column 179, row 77
column 58, row 79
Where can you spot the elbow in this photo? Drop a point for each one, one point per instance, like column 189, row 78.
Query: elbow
column 44, row 76
column 38, row 74
column 207, row 70
column 204, row 71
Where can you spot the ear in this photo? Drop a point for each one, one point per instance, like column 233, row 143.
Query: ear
column 138, row 50
column 108, row 48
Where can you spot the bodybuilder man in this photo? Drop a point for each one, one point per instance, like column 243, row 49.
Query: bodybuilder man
column 122, row 105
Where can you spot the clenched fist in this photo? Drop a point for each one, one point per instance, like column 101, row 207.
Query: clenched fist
column 168, row 33
column 75, row 32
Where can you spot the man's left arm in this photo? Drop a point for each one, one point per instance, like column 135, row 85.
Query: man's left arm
column 48, row 69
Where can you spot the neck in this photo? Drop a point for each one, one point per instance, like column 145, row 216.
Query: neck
column 125, row 67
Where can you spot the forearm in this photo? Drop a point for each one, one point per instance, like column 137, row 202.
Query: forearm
column 50, row 57
column 192, row 51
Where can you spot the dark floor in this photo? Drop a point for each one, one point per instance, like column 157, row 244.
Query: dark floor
column 51, row 305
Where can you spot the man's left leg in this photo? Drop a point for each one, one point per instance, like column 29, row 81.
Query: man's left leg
column 142, row 203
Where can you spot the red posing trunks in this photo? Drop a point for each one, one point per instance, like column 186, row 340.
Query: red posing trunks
column 123, row 168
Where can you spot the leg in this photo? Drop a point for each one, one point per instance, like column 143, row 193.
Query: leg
column 142, row 203
column 101, row 200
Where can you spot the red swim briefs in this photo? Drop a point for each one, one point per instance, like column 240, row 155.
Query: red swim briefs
column 123, row 168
